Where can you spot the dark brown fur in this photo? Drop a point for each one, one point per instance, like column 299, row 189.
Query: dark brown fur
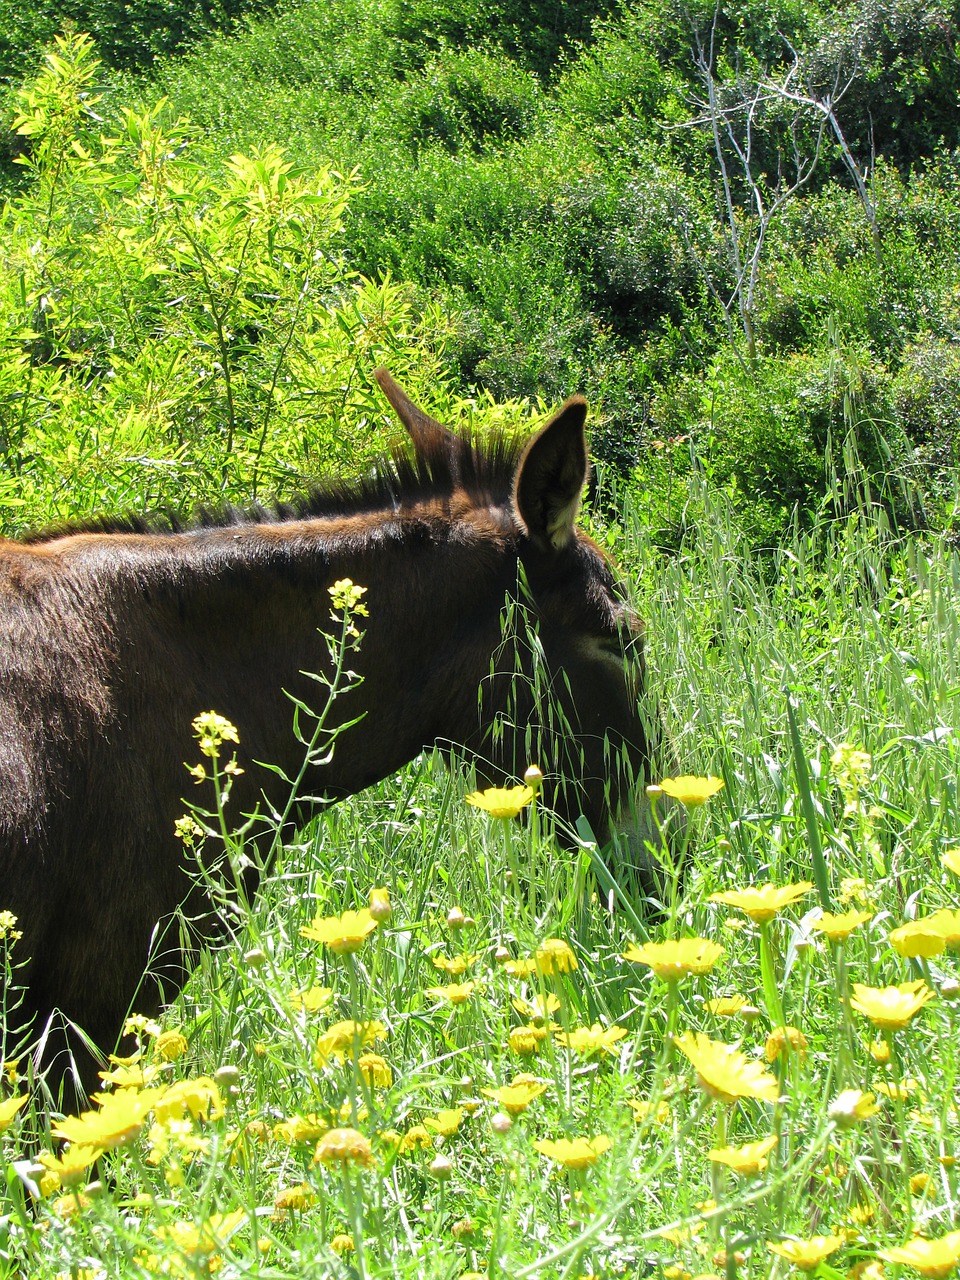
column 115, row 636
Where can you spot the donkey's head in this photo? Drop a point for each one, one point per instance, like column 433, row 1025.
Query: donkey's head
column 565, row 687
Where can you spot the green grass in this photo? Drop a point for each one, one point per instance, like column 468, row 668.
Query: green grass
column 858, row 632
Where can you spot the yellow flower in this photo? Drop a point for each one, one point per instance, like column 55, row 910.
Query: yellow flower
column 456, row 965
column 724, row 1072
column 726, row 1006
column 932, row 1258
column 380, row 907
column 879, row 1051
column 306, row 1128
column 375, row 1070
column 312, row 1000
column 918, row 938
column 341, row 1244
column 135, row 1077
column 588, row 1040
column 516, row 1097
column 920, row 1183
column 342, row 934
column 200, row 1096
column 948, row 923
column 343, row 1146
column 555, row 956
column 676, row 958
column 501, row 802
column 691, row 790
column 445, row 1122
column 454, row 992
column 762, row 902
column 855, row 888
column 212, row 730
column 521, row 968
column 526, row 1040
column 839, row 927
column 951, row 860
column 119, row 1120
column 807, row 1254
column 345, row 1037
column 539, row 1009
column 750, row 1158
column 891, row 1007
column 578, row 1153
column 784, row 1040
column 852, row 1106
column 642, row 1108
column 205, row 1238
column 72, row 1165
column 300, row 1197
column 898, row 1092
column 416, row 1136
column 9, row 1108
column 170, row 1045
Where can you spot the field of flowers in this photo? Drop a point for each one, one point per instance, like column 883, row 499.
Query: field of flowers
column 428, row 1049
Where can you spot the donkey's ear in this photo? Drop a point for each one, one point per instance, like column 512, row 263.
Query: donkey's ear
column 427, row 435
column 550, row 477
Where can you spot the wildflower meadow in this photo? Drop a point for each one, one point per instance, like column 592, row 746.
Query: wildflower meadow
column 428, row 1047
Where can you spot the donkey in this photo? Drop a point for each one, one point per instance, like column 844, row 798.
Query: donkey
column 115, row 635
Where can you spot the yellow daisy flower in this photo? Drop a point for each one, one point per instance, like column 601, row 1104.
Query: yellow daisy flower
column 691, row 790
column 312, row 1000
column 72, row 1164
column 839, row 927
column 749, row 1159
column 951, row 860
column 526, row 1040
column 784, row 1040
column 726, row 1006
column 170, row 1045
column 306, row 1128
column 297, row 1198
column 642, row 1108
column 342, row 934
column 118, row 1121
column 677, row 957
column 501, row 802
column 589, row 1040
column 576, row 1153
column 762, row 902
column 453, row 992
column 9, row 1108
column 456, row 966
column 891, row 1007
column 416, row 1137
column 375, row 1070
column 516, row 1097
column 851, row 1106
column 555, row 956
column 932, row 1258
column 918, row 938
column 807, row 1254
column 445, row 1122
column 343, row 1146
column 539, row 1008
column 724, row 1072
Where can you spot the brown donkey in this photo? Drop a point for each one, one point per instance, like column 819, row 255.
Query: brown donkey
column 115, row 636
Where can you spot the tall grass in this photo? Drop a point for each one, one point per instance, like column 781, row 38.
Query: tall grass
column 851, row 631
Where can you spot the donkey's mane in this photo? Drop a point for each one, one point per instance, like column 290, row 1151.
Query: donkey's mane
column 480, row 470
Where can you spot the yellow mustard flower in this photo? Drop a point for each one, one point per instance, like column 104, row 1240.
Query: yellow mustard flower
column 456, row 966
column 751, row 1158
column 445, row 1122
column 856, row 889
column 118, row 1121
column 9, row 1108
column 807, row 1255
column 343, row 934
column 891, row 1007
column 589, row 1040
column 501, row 802
column 677, row 957
column 212, row 730
column 453, row 992
column 951, row 860
column 726, row 1006
column 312, row 1000
column 375, row 1070
column 851, row 1106
column 839, row 927
column 296, row 1198
column 762, row 902
column 516, row 1097
column 576, row 1153
column 555, row 956
column 724, row 1072
column 932, row 1258
column 690, row 789
column 918, row 938
column 343, row 1146
column 784, row 1040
